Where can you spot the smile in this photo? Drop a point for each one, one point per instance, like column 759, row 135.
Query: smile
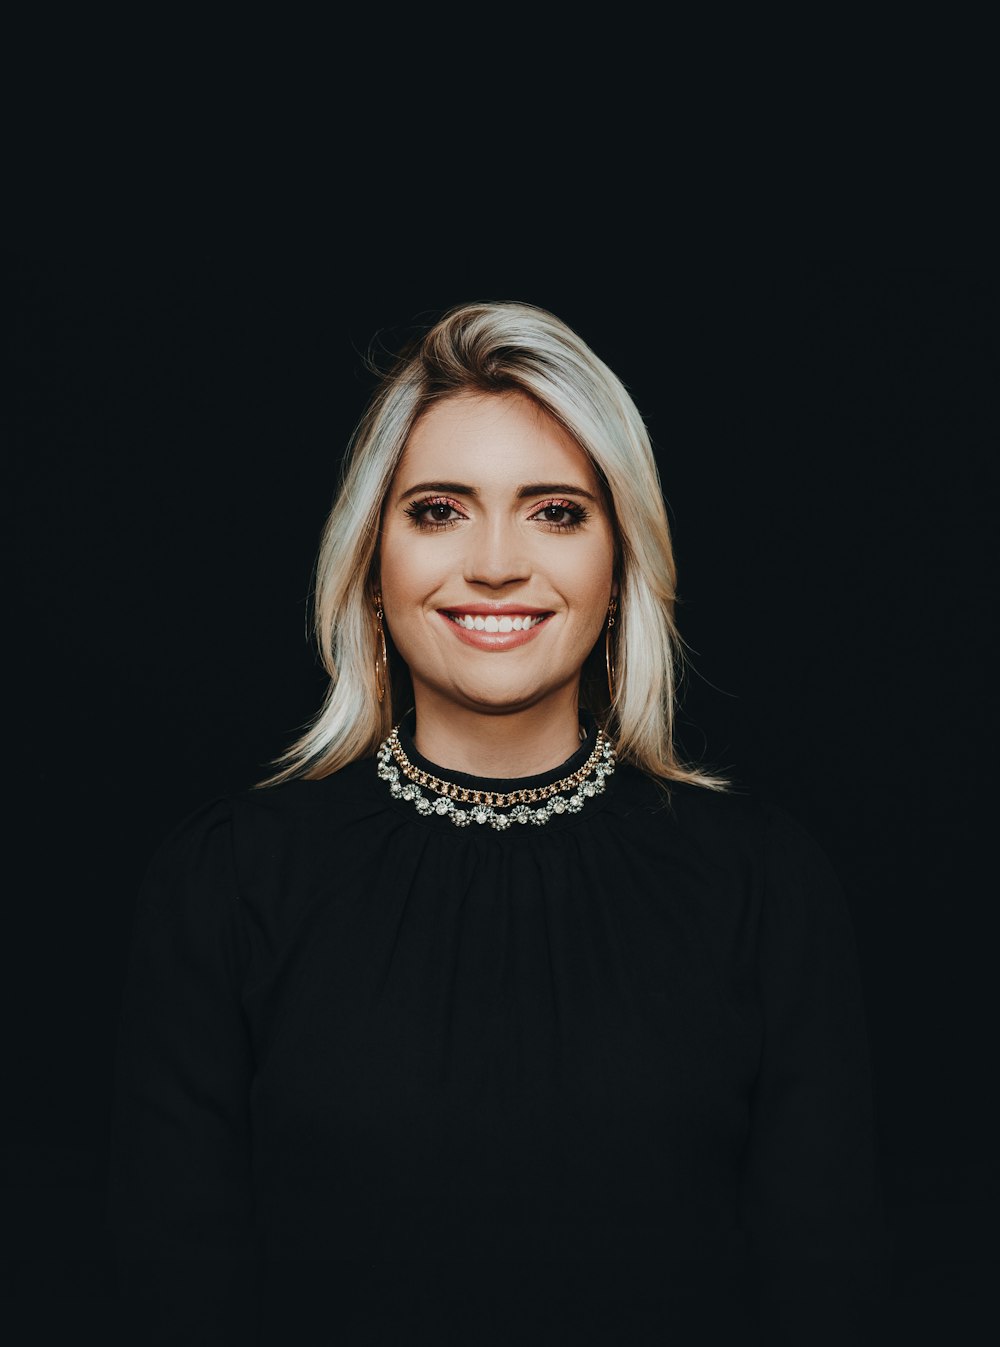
column 495, row 633
column 477, row 623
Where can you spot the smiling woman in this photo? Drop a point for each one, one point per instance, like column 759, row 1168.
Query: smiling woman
column 460, row 566
column 485, row 1019
column 498, row 462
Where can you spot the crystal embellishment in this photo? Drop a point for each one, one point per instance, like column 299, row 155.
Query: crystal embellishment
column 499, row 810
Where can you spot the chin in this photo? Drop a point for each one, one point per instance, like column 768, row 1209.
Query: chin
column 495, row 699
column 503, row 696
column 498, row 698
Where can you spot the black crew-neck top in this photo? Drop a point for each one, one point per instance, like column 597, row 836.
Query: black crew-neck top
column 603, row 1079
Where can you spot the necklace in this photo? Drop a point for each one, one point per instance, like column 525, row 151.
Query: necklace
column 584, row 783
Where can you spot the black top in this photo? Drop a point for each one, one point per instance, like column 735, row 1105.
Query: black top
column 385, row 1079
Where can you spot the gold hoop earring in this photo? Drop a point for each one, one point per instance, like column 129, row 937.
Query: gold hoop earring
column 380, row 674
column 607, row 649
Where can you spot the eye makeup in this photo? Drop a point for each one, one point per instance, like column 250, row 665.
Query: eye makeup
column 418, row 510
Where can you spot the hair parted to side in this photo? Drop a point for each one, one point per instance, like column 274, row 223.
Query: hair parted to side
column 501, row 348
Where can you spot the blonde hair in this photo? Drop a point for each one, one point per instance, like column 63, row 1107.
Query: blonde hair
column 501, row 348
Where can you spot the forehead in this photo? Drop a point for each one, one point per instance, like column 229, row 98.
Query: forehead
column 499, row 437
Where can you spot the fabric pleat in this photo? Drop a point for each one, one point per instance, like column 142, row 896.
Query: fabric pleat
column 383, row 1079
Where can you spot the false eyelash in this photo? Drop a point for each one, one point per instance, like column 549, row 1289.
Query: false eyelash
column 577, row 513
column 416, row 510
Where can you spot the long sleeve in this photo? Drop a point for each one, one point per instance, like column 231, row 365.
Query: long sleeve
column 811, row 1198
column 180, row 1193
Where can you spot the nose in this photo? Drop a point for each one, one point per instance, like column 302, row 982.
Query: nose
column 497, row 554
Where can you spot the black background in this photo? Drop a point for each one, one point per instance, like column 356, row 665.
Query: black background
column 827, row 439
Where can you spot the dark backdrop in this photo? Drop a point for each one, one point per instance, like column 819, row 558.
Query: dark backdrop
column 826, row 436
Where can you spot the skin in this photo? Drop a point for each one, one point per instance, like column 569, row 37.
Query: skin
column 508, row 713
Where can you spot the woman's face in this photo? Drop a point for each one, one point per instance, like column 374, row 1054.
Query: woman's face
column 494, row 506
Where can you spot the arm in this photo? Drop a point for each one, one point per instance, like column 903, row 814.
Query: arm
column 180, row 1193
column 811, row 1201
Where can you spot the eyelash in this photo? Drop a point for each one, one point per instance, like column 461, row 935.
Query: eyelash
column 415, row 512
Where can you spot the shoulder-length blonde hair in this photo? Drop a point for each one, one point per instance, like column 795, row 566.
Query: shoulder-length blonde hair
column 501, row 348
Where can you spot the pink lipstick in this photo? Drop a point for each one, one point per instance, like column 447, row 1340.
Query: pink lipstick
column 496, row 640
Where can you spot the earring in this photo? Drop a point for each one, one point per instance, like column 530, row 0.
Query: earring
column 380, row 674
column 607, row 648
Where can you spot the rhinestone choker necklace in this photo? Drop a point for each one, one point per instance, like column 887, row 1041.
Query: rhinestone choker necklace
column 585, row 782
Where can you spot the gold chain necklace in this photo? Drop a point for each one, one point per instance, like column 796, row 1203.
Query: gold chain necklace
column 584, row 783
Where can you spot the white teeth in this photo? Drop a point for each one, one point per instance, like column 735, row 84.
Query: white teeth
column 501, row 624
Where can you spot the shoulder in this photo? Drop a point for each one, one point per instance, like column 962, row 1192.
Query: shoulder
column 302, row 806
column 796, row 890
column 253, row 827
column 805, row 897
column 713, row 820
column 797, row 902
column 188, row 885
column 751, row 825
column 196, row 840
column 289, row 838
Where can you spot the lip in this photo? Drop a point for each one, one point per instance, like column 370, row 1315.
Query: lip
column 498, row 610
column 494, row 640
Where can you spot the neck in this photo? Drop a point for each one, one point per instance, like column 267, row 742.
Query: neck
column 500, row 743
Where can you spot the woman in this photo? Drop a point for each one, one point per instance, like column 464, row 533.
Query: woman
column 485, row 1019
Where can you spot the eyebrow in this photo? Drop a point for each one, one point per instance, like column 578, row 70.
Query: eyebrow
column 523, row 492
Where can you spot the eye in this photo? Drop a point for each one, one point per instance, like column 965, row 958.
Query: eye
column 420, row 512
column 577, row 514
column 432, row 512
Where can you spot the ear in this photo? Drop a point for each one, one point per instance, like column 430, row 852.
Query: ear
column 614, row 589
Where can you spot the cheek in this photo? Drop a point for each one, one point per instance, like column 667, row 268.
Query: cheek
column 410, row 574
column 399, row 564
column 591, row 574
